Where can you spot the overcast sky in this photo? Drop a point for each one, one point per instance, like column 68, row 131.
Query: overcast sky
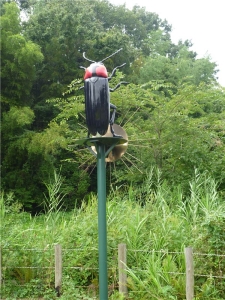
column 201, row 21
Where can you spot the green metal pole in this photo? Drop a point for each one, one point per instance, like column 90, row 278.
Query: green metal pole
column 102, row 226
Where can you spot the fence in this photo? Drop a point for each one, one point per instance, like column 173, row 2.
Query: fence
column 122, row 267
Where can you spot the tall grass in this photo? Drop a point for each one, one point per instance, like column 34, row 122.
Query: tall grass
column 53, row 201
column 155, row 221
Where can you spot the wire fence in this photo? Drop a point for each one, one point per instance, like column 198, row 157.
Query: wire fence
column 20, row 266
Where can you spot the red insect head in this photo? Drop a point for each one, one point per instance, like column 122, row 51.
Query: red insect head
column 96, row 70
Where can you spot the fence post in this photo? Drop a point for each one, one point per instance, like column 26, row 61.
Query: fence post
column 0, row 269
column 189, row 273
column 122, row 262
column 58, row 268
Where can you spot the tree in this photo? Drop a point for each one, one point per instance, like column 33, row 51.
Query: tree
column 65, row 29
column 172, row 97
column 182, row 68
column 173, row 131
column 19, row 58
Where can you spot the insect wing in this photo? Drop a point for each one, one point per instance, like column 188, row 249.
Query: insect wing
column 97, row 105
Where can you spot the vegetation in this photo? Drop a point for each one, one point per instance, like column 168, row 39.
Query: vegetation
column 155, row 232
column 172, row 94
column 173, row 111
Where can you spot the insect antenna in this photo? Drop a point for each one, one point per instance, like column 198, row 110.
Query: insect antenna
column 112, row 54
column 87, row 59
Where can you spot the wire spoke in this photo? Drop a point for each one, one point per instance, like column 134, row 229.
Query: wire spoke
column 141, row 133
column 133, row 164
column 125, row 116
column 131, row 116
column 139, row 146
column 135, row 157
column 83, row 126
column 90, row 158
column 126, row 165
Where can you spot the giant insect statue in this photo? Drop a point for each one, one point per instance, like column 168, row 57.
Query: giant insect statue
column 97, row 97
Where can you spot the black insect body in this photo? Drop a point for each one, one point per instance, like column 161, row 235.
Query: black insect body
column 97, row 97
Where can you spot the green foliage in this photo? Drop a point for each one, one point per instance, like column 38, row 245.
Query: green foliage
column 155, row 233
column 65, row 29
column 178, row 70
column 43, row 108
column 175, row 124
column 19, row 58
column 8, row 205
column 53, row 201
column 16, row 119
column 161, row 125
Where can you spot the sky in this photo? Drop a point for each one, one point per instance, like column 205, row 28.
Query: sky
column 201, row 21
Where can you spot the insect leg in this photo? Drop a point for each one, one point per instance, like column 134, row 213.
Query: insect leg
column 111, row 122
column 114, row 71
column 113, row 114
column 118, row 85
